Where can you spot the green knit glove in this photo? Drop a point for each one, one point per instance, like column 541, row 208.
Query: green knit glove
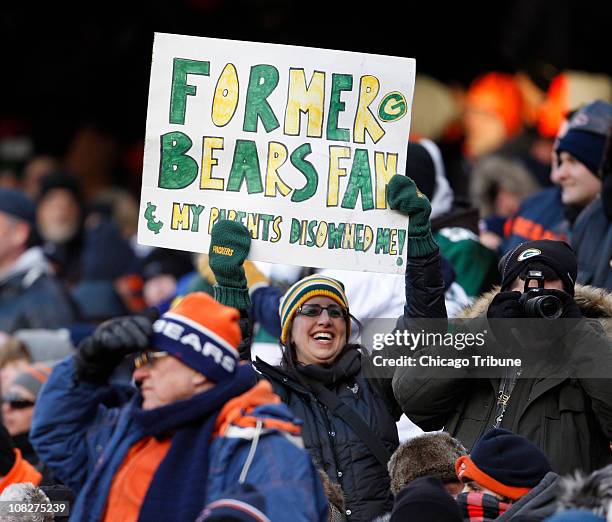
column 403, row 195
column 230, row 242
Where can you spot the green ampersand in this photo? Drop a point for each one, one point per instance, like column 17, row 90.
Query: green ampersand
column 152, row 224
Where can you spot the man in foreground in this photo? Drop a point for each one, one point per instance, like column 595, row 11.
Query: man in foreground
column 199, row 432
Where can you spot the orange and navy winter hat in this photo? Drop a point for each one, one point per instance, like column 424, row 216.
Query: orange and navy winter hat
column 202, row 333
column 505, row 463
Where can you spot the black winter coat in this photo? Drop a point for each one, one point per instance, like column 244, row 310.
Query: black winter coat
column 570, row 419
column 334, row 446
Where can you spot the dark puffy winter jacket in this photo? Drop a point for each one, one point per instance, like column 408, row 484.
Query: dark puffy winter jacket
column 334, row 446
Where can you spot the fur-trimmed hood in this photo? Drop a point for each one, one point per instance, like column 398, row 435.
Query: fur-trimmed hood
column 592, row 492
column 593, row 302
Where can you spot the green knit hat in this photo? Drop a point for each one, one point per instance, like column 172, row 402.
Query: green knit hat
column 305, row 289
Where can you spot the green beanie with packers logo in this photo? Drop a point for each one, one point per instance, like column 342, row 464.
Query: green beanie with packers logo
column 230, row 242
column 312, row 286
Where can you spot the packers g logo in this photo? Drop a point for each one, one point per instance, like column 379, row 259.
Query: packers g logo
column 392, row 107
column 530, row 252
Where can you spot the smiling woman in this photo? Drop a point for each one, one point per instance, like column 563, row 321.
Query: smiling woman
column 348, row 419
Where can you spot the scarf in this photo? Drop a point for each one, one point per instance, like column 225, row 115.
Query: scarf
column 480, row 507
column 178, row 489
column 342, row 369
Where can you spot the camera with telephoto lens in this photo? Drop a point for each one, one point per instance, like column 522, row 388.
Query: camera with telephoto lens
column 535, row 302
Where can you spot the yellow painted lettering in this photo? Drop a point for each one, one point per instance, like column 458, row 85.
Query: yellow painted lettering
column 277, row 155
column 304, row 98
column 336, row 153
column 180, row 216
column 207, row 182
column 364, row 119
column 226, row 95
column 384, row 172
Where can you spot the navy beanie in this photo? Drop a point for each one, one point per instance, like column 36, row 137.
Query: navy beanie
column 425, row 499
column 556, row 255
column 586, row 135
column 510, row 459
column 17, row 205
column 586, row 147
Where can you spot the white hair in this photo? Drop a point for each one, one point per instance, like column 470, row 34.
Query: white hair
column 30, row 494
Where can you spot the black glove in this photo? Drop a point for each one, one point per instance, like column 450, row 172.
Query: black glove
column 7, row 454
column 571, row 310
column 100, row 354
column 505, row 305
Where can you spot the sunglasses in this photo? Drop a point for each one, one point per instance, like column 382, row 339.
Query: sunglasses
column 315, row 310
column 147, row 358
column 16, row 402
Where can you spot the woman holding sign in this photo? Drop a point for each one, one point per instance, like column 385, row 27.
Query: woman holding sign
column 349, row 420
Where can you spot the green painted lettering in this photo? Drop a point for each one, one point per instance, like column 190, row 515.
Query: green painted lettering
column 340, row 82
column 306, row 168
column 245, row 166
column 181, row 89
column 263, row 80
column 177, row 170
column 360, row 180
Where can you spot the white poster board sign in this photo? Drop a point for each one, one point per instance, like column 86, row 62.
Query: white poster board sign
column 296, row 143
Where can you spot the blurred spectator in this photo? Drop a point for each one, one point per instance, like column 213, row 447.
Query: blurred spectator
column 59, row 216
column 579, row 154
column 14, row 357
column 552, row 213
column 430, row 454
column 30, row 296
column 161, row 270
column 18, row 407
column 106, row 257
column 498, row 186
column 492, row 113
column 592, row 237
column 33, row 173
column 120, row 206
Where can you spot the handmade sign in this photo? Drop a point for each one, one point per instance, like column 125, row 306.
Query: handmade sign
column 296, row 143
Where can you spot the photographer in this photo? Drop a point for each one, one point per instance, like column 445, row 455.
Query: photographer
column 558, row 400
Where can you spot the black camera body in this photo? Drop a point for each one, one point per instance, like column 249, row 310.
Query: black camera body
column 536, row 303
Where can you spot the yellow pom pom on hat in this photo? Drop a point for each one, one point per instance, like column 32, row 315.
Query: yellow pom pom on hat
column 312, row 286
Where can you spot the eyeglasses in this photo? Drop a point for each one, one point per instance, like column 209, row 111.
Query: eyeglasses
column 147, row 358
column 315, row 310
column 17, row 403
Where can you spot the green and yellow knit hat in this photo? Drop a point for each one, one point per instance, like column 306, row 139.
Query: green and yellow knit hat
column 311, row 286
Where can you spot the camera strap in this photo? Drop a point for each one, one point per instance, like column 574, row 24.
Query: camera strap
column 506, row 386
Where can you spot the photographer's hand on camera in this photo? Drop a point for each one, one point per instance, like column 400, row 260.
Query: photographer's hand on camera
column 506, row 305
column 100, row 354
